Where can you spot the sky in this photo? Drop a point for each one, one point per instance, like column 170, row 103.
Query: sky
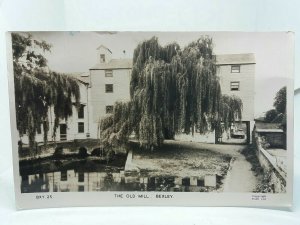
column 76, row 52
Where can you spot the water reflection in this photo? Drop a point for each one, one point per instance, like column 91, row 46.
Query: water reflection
column 79, row 181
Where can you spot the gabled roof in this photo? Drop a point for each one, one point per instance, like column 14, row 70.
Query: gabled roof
column 114, row 64
column 227, row 59
column 83, row 77
column 102, row 46
column 235, row 59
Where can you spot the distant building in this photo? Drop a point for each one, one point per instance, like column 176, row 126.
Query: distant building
column 109, row 81
column 272, row 133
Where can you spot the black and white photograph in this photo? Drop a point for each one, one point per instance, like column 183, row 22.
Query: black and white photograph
column 145, row 112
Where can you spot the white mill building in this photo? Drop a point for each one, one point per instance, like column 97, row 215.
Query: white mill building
column 108, row 81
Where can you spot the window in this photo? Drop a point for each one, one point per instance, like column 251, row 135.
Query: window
column 186, row 181
column 80, row 188
column 63, row 131
column 235, row 86
column 80, row 127
column 109, row 109
column 102, row 58
column 109, row 88
column 63, row 176
column 81, row 112
column 235, row 69
column 39, row 129
column 200, row 182
column 108, row 73
column 80, row 177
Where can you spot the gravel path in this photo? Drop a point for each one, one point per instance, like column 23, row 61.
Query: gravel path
column 240, row 178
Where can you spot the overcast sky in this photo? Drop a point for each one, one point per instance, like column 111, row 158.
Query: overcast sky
column 76, row 52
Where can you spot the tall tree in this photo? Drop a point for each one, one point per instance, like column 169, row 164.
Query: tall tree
column 271, row 115
column 173, row 91
column 37, row 89
column 280, row 100
column 278, row 115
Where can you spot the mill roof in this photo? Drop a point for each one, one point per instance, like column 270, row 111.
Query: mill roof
column 83, row 77
column 225, row 59
column 102, row 46
column 230, row 59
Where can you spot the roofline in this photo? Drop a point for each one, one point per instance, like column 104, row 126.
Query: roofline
column 112, row 68
column 217, row 64
column 227, row 64
column 269, row 131
column 76, row 78
column 104, row 47
column 81, row 81
column 249, row 55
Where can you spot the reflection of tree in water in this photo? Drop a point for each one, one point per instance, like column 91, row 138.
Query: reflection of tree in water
column 34, row 186
column 158, row 184
column 164, row 183
column 108, row 182
column 143, row 187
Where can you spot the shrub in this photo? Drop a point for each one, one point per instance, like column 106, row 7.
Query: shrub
column 264, row 143
column 96, row 152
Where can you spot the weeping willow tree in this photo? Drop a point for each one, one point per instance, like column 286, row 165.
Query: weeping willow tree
column 172, row 91
column 230, row 111
column 37, row 90
column 116, row 127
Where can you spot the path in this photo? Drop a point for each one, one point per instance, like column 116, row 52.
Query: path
column 240, row 178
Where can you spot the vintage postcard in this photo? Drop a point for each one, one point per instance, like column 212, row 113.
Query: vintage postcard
column 152, row 118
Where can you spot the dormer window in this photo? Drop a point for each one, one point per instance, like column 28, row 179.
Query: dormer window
column 104, row 54
column 102, row 58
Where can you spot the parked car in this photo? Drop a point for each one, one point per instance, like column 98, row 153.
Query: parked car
column 238, row 134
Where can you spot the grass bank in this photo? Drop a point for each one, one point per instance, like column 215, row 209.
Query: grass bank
column 182, row 159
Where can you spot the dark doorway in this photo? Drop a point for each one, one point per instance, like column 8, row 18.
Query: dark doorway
column 63, row 132
column 248, row 132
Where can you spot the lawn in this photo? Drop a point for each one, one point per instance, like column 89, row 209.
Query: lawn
column 181, row 159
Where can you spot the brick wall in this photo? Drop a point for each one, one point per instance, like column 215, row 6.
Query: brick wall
column 277, row 179
column 276, row 140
